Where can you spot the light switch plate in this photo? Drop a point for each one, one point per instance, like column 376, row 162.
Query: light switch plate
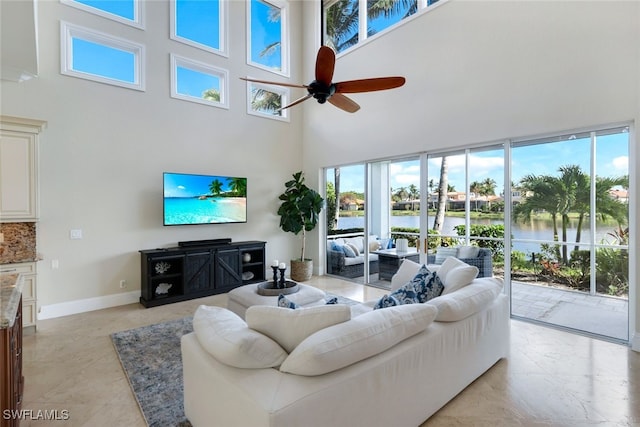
column 75, row 234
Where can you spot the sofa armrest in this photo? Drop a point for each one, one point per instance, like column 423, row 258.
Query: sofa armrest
column 335, row 261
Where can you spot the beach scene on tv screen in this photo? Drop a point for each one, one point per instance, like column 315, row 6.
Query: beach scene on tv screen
column 204, row 199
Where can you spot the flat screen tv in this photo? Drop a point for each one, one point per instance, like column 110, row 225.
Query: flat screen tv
column 204, row 199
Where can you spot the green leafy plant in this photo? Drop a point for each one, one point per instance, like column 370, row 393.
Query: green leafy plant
column 300, row 208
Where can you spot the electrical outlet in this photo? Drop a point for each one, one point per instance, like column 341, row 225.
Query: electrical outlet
column 123, row 284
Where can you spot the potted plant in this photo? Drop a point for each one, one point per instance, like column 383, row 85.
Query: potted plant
column 299, row 212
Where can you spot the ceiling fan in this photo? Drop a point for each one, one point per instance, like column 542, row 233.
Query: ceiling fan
column 323, row 89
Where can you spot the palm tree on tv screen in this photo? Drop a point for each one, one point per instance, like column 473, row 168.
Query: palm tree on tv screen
column 215, row 187
column 238, row 186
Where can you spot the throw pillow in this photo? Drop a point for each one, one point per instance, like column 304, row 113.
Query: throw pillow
column 227, row 337
column 374, row 245
column 290, row 327
column 405, row 273
column 459, row 277
column 443, row 252
column 354, row 248
column 348, row 251
column 449, row 264
column 285, row 302
column 424, row 286
column 468, row 251
column 361, row 337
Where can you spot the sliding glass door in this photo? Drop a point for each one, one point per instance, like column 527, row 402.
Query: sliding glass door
column 569, row 228
column 553, row 212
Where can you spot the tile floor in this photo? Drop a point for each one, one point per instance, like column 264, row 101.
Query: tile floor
column 551, row 378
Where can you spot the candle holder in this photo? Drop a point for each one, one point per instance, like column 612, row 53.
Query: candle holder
column 282, row 283
column 275, row 276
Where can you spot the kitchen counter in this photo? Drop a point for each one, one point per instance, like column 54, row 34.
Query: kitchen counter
column 10, row 293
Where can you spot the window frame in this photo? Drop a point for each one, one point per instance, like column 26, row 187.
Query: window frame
column 69, row 32
column 284, row 37
column 201, row 67
column 284, row 93
column 223, row 29
column 138, row 20
column 424, row 6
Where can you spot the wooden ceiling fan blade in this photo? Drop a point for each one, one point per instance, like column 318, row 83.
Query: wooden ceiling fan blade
column 274, row 83
column 296, row 102
column 344, row 103
column 369, row 85
column 325, row 64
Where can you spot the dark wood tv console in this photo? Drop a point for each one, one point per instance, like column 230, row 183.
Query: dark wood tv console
column 187, row 272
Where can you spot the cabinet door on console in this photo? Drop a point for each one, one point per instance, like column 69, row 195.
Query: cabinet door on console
column 198, row 266
column 228, row 271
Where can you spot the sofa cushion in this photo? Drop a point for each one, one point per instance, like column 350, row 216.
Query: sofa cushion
column 358, row 242
column 289, row 327
column 468, row 251
column 348, row 251
column 443, row 252
column 470, row 299
column 354, row 248
column 361, row 337
column 227, row 337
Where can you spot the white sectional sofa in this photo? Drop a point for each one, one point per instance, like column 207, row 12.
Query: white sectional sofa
column 393, row 366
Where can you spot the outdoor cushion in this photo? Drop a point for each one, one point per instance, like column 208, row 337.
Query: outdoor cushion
column 468, row 251
column 443, row 252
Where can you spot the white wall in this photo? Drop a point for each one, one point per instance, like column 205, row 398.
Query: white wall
column 104, row 150
column 482, row 71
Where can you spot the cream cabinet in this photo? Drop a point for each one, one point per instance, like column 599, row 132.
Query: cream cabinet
column 19, row 168
column 29, row 291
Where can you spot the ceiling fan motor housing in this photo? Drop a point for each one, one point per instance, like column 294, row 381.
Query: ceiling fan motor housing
column 321, row 91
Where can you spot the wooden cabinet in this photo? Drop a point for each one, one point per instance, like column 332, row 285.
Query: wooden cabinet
column 19, row 168
column 11, row 378
column 29, row 291
column 183, row 273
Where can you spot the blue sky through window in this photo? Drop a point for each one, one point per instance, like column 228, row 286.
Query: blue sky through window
column 105, row 61
column 266, row 31
column 195, row 83
column 199, row 21
column 122, row 8
column 612, row 160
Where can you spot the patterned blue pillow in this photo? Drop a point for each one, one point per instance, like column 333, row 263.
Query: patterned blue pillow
column 332, row 300
column 386, row 301
column 423, row 287
column 426, row 285
column 285, row 302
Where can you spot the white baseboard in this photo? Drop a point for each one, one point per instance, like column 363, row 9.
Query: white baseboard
column 89, row 304
column 635, row 342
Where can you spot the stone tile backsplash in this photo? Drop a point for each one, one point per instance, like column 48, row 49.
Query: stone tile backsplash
column 19, row 242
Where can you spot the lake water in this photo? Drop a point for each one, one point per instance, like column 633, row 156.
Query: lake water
column 532, row 230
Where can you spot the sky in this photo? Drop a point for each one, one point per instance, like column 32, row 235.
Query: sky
column 612, row 159
column 183, row 185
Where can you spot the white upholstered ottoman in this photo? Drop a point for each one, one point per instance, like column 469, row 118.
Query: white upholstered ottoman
column 244, row 297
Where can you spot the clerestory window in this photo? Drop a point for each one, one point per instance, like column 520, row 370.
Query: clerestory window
column 125, row 11
column 196, row 81
column 101, row 57
column 200, row 23
column 268, row 36
column 349, row 22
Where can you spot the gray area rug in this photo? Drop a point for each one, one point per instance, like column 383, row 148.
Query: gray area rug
column 152, row 361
